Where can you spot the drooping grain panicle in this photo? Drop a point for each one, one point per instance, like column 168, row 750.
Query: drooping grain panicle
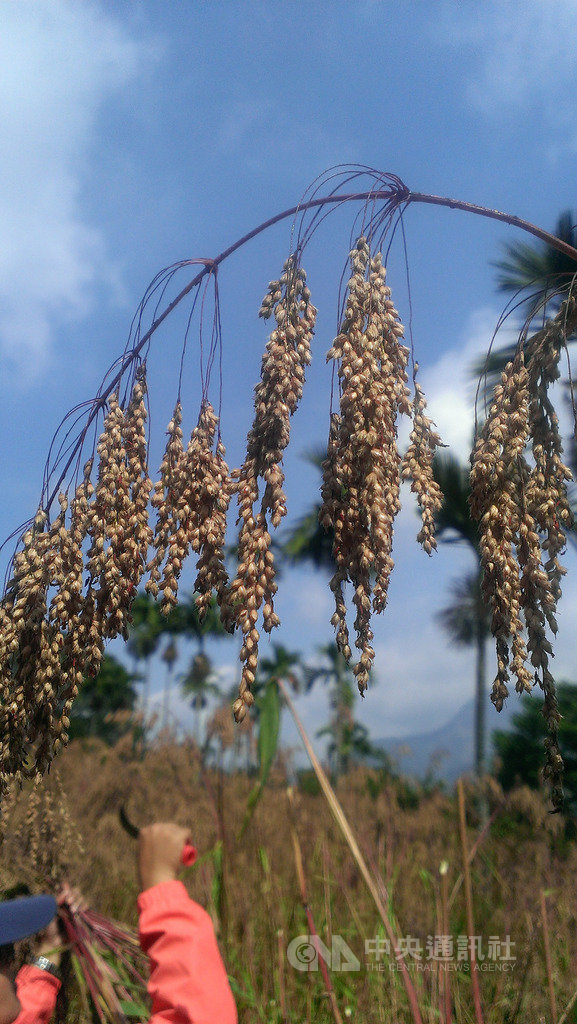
column 417, row 466
column 39, row 676
column 361, row 481
column 115, row 520
column 191, row 498
column 277, row 394
column 498, row 477
column 169, row 538
column 42, row 844
column 133, row 544
column 330, row 512
column 106, row 509
column 201, row 505
column 548, row 503
column 259, row 482
column 115, row 557
column 28, row 696
column 519, row 496
column 72, row 589
column 63, row 618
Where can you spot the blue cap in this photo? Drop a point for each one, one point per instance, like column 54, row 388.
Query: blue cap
column 25, row 916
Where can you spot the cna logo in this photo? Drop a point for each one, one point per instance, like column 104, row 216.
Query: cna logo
column 303, row 954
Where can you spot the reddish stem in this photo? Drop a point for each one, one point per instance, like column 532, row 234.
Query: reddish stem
column 506, row 218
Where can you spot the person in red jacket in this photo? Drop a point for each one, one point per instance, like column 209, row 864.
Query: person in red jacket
column 188, row 982
column 18, row 919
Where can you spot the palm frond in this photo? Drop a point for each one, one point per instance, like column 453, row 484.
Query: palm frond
column 310, row 542
column 539, row 266
column 545, row 273
column 453, row 520
column 461, row 619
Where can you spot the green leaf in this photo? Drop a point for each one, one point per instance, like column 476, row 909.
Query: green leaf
column 269, row 725
column 268, row 733
column 426, row 879
column 263, row 857
column 131, row 1009
column 81, row 982
column 216, row 889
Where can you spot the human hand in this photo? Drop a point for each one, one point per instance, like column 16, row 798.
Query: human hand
column 160, row 849
column 49, row 942
column 71, row 899
column 10, row 1008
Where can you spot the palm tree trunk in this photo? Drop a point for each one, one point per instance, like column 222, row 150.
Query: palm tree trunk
column 166, row 697
column 480, row 702
column 480, row 718
column 481, row 631
column 197, row 704
column 145, row 704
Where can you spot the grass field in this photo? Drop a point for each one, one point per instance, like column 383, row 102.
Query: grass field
column 523, row 874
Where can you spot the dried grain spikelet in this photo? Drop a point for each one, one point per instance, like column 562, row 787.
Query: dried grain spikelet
column 108, row 514
column 136, row 538
column 516, row 503
column 499, row 470
column 166, row 536
column 417, row 466
column 547, row 500
column 361, row 481
column 201, row 510
column 277, row 395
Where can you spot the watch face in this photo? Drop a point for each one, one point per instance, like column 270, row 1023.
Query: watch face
column 44, row 964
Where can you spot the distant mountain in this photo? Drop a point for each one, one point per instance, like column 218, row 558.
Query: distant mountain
column 448, row 751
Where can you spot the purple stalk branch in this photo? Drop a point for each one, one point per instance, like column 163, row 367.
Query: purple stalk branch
column 90, row 935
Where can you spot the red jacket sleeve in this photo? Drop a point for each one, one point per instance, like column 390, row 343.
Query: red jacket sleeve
column 37, row 991
column 188, row 982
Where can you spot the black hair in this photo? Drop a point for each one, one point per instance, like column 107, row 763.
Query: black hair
column 7, row 954
column 20, row 889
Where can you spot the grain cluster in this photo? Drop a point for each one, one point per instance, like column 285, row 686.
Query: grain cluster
column 75, row 578
column 519, row 497
column 363, row 469
column 72, row 587
column 191, row 498
column 259, row 482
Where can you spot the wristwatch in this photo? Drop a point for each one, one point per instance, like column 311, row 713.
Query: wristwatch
column 44, row 964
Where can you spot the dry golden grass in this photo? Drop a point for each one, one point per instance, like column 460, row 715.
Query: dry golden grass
column 253, row 891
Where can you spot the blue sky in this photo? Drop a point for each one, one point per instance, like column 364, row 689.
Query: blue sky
column 137, row 134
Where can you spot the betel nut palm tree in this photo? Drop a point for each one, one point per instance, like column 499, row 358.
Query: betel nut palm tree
column 467, row 619
column 151, row 630
column 537, row 277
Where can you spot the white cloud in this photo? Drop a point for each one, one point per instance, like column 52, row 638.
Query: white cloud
column 58, row 64
column 450, row 386
column 310, row 598
column 520, row 54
